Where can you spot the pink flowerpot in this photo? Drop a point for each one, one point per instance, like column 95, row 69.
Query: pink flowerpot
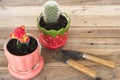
column 27, row 66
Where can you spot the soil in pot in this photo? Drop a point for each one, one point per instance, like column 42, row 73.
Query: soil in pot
column 23, row 49
column 61, row 23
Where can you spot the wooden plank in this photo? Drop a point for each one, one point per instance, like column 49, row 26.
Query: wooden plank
column 98, row 43
column 59, row 73
column 84, row 32
column 73, row 74
column 76, row 21
column 87, row 32
column 95, row 20
column 94, row 51
column 94, row 42
column 88, row 43
column 89, row 15
column 94, row 30
column 57, row 70
column 97, row 46
column 62, row 2
column 71, row 10
column 51, row 62
column 3, row 60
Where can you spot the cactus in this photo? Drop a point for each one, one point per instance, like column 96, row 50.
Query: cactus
column 51, row 12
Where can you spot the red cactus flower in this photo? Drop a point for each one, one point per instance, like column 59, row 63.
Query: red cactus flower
column 20, row 34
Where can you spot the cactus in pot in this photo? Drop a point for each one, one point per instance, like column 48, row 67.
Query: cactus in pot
column 53, row 25
column 51, row 12
column 22, row 51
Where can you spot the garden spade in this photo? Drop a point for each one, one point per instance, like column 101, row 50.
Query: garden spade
column 78, row 66
column 75, row 55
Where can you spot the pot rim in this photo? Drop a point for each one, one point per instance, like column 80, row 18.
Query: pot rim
column 38, row 47
column 52, row 32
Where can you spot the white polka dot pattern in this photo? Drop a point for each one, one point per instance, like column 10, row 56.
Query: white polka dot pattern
column 55, row 41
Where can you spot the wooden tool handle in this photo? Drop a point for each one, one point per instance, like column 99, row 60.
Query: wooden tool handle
column 82, row 68
column 107, row 63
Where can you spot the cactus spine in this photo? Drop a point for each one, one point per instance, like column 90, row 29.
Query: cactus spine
column 51, row 12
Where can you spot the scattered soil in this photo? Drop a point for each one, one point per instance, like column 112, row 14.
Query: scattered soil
column 23, row 49
column 61, row 23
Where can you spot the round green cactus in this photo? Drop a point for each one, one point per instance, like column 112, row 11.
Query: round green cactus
column 51, row 12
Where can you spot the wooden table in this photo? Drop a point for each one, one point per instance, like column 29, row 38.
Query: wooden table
column 94, row 29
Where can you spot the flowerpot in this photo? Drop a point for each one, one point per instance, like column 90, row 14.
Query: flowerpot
column 53, row 39
column 25, row 66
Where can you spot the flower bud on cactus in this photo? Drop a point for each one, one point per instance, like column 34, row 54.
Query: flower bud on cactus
column 51, row 12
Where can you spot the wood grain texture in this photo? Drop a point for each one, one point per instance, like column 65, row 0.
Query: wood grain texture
column 95, row 42
column 80, row 67
column 71, row 10
column 76, row 21
column 94, row 15
column 94, row 29
column 87, row 32
column 110, row 64
column 54, row 70
column 62, row 2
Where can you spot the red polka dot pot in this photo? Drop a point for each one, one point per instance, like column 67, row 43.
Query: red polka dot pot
column 53, row 39
column 53, row 42
column 27, row 66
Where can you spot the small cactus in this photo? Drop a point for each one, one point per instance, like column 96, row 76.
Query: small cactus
column 51, row 12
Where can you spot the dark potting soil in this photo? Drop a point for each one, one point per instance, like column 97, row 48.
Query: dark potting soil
column 61, row 23
column 23, row 49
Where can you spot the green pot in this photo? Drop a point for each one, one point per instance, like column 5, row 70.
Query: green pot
column 54, row 39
